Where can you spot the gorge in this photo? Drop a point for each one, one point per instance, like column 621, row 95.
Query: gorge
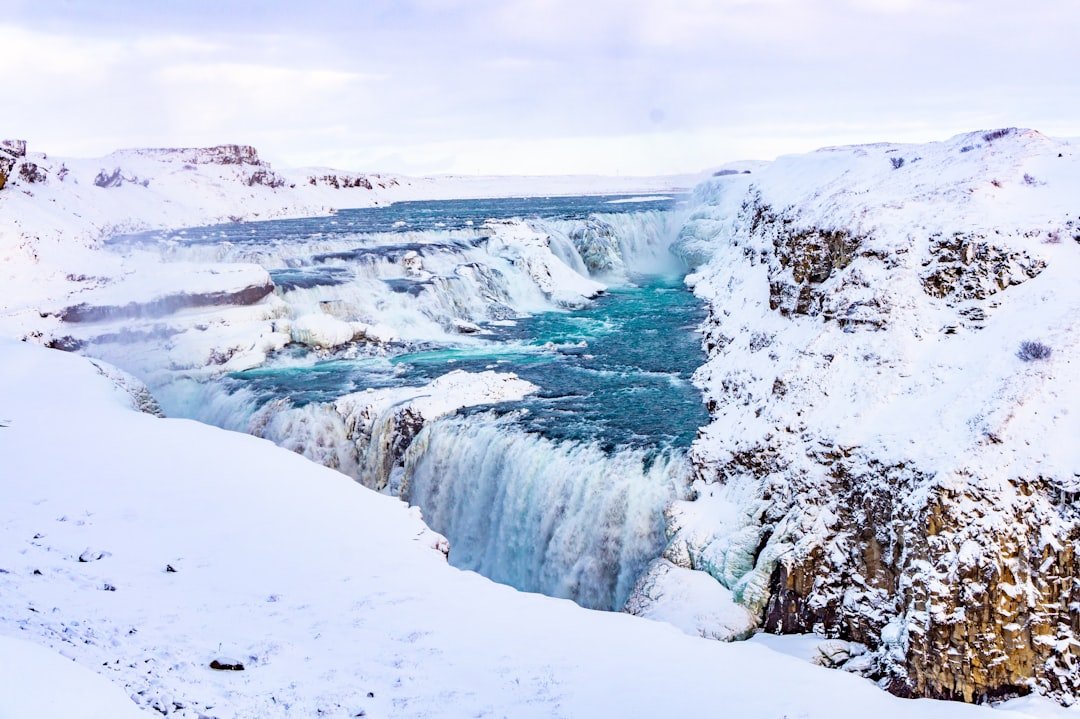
column 826, row 428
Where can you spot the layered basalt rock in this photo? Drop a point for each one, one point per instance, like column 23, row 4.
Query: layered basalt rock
column 965, row 592
column 216, row 155
column 966, row 266
column 347, row 181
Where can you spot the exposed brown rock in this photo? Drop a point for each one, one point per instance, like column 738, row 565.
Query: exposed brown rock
column 967, row 267
column 342, row 181
column 266, row 178
column 802, row 260
column 165, row 305
column 227, row 665
column 10, row 152
column 31, row 173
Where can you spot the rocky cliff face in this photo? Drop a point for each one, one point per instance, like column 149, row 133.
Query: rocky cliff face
column 216, row 155
column 11, row 151
column 882, row 467
column 238, row 156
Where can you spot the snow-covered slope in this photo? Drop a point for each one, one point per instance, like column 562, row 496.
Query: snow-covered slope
column 883, row 465
column 42, row 684
column 148, row 548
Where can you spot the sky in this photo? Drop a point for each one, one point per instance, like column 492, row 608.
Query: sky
column 631, row 87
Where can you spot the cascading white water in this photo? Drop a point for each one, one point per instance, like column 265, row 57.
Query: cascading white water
column 564, row 519
column 618, row 243
column 491, row 272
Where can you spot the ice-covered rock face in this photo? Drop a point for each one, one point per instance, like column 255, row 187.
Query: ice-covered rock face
column 216, row 155
column 10, row 152
column 881, row 466
column 598, row 246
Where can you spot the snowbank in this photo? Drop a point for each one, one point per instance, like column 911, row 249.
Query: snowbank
column 41, row 684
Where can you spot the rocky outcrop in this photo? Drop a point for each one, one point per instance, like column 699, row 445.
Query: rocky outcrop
column 965, row 267
column 10, row 152
column 340, row 181
column 117, row 178
column 598, row 245
column 226, row 155
column 14, row 148
column 266, row 178
column 965, row 592
column 164, row 306
column 216, row 155
column 31, row 173
column 801, row 260
column 347, row 181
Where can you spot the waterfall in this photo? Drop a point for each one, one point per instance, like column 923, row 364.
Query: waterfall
column 423, row 283
column 564, row 519
column 612, row 245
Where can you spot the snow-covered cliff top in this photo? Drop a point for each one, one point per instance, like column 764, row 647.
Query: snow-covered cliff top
column 944, row 258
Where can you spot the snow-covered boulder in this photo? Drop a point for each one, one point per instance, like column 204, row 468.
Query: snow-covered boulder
column 690, row 600
column 382, row 423
column 413, row 264
column 326, row 331
column 322, row 331
column 598, row 245
column 531, row 250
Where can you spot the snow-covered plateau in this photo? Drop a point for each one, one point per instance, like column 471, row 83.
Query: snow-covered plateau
column 889, row 469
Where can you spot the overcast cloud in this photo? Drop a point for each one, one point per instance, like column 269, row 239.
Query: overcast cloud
column 541, row 86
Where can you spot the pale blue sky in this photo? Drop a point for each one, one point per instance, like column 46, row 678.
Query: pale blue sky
column 550, row 86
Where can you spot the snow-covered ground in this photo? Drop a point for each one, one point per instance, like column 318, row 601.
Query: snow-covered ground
column 43, row 684
column 147, row 548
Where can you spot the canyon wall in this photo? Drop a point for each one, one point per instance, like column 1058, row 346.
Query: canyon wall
column 892, row 380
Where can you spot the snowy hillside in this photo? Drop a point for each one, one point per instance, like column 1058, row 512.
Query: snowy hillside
column 885, row 463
